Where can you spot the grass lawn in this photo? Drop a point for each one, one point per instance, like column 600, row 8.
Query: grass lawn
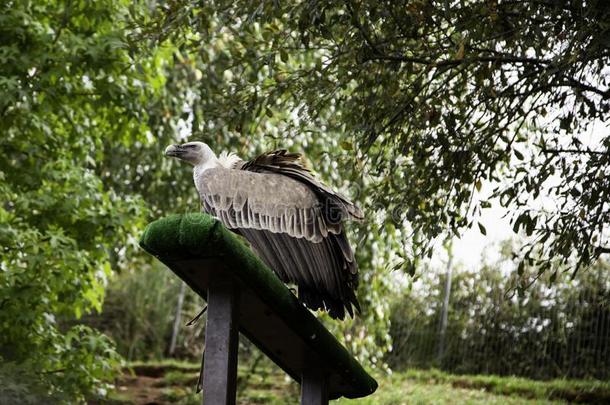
column 174, row 382
column 404, row 391
column 435, row 387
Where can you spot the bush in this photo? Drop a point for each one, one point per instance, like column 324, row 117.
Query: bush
column 78, row 367
column 139, row 313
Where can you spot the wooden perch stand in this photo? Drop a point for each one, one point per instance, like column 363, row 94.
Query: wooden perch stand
column 245, row 296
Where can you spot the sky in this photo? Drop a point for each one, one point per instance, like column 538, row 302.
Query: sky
column 469, row 249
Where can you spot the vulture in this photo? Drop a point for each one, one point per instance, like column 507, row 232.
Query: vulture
column 292, row 221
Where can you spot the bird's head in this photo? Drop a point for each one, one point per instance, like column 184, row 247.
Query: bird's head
column 195, row 153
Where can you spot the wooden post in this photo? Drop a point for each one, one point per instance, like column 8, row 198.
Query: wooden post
column 314, row 390
column 221, row 339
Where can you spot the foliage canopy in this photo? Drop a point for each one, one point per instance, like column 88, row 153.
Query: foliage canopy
column 433, row 99
column 68, row 89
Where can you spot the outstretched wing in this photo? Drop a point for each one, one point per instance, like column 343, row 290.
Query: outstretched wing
column 293, row 223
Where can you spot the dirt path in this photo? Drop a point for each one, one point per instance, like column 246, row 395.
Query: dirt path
column 171, row 384
column 141, row 389
column 156, row 384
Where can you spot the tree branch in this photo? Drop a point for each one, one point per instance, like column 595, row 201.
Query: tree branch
column 455, row 62
column 585, row 87
column 575, row 151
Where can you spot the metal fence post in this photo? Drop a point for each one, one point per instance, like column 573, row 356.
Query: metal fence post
column 444, row 314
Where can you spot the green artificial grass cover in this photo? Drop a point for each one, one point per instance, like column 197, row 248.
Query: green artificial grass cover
column 193, row 236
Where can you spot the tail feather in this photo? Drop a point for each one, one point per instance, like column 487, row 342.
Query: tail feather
column 336, row 308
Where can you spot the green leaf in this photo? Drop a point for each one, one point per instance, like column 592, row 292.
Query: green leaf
column 521, row 268
column 518, row 154
column 284, row 56
column 459, row 54
column 346, row 145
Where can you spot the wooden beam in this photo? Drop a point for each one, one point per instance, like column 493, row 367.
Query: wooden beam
column 314, row 387
column 221, row 340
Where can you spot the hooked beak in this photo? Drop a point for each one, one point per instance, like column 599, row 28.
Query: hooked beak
column 174, row 151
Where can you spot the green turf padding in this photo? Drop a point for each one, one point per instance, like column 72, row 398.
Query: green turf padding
column 192, row 236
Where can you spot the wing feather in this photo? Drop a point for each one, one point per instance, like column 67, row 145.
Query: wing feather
column 289, row 165
column 244, row 199
column 320, row 270
column 291, row 222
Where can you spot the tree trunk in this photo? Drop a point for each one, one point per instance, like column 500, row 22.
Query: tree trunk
column 176, row 328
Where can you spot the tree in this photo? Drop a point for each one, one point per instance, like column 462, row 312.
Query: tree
column 69, row 88
column 433, row 99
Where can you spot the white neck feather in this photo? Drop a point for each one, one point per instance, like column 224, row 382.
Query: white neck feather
column 202, row 167
column 228, row 159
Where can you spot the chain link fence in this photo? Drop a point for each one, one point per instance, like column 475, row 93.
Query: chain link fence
column 552, row 329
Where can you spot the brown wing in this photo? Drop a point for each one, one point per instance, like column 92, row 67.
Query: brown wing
column 325, row 272
column 269, row 201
